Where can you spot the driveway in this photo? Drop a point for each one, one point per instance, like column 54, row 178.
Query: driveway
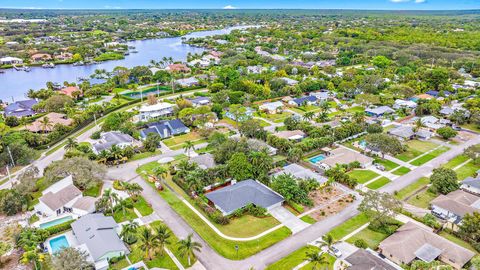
column 288, row 219
column 345, row 248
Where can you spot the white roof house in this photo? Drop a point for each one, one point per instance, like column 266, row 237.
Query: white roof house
column 301, row 172
column 10, row 60
column 111, row 138
column 289, row 81
column 400, row 103
column 271, row 107
column 187, row 82
column 160, row 109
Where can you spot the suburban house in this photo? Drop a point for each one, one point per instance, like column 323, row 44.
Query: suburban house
column 431, row 122
column 407, row 104
column 165, row 128
column 293, row 135
column 63, row 197
column 255, row 69
column 22, row 108
column 10, row 60
column 472, row 184
column 111, row 138
column 455, row 205
column 39, row 57
column 379, row 111
column 436, row 94
column 421, row 96
column 53, row 119
column 308, row 100
column 343, row 155
column 289, row 81
column 322, row 95
column 411, row 242
column 187, row 82
column 271, row 107
column 248, row 114
column 148, row 112
column 240, row 194
column 423, row 134
column 69, row 91
column 200, row 101
column 63, row 56
column 301, row 172
column 205, row 161
column 178, row 68
column 98, row 236
column 367, row 259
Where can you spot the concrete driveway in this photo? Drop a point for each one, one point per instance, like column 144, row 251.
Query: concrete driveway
column 288, row 219
column 345, row 248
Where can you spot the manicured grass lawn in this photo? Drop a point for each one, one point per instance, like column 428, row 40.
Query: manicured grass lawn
column 145, row 155
column 363, row 176
column 308, row 219
column 262, row 123
column 389, row 165
column 247, row 226
column 415, row 149
column 410, row 189
column 293, row 259
column 472, row 126
column 180, row 146
column 192, row 136
column 303, row 109
column 94, row 191
column 356, row 109
column 401, row 171
column 467, row 170
column 348, row 226
column 454, row 162
column 129, row 215
column 457, row 241
column 422, row 199
column 427, row 157
column 142, row 206
column 378, row 183
column 372, row 238
column 328, row 266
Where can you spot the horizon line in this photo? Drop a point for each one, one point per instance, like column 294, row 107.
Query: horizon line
column 233, row 9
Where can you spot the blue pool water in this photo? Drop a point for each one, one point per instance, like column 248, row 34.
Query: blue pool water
column 55, row 222
column 316, row 159
column 363, row 143
column 58, row 243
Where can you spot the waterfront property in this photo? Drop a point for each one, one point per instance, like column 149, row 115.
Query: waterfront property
column 53, row 118
column 22, row 108
column 240, row 194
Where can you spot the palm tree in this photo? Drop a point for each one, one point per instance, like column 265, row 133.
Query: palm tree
column 122, row 205
column 162, row 235
column 328, row 241
column 70, row 144
column 308, row 116
column 418, row 124
column 188, row 147
column 45, row 123
column 133, row 190
column 129, row 230
column 111, row 198
column 315, row 258
column 187, row 247
column 148, row 242
column 160, row 173
column 116, row 152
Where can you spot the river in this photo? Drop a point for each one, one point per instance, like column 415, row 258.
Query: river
column 14, row 84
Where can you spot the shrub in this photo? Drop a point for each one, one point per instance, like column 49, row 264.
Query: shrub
column 95, row 135
column 297, row 207
column 360, row 243
column 59, row 228
column 118, row 185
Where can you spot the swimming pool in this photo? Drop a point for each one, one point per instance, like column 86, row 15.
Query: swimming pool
column 58, row 243
column 55, row 222
column 363, row 143
column 316, row 159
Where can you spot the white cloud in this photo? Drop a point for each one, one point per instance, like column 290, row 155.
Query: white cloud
column 420, row 1
column 406, row 1
column 229, row 7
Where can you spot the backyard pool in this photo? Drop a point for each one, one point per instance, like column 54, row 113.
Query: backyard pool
column 363, row 143
column 55, row 222
column 316, row 159
column 58, row 243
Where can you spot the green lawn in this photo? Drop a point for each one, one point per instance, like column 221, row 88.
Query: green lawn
column 457, row 241
column 303, row 109
column 422, row 199
column 180, row 139
column 427, row 157
column 93, row 191
column 329, row 266
column 293, row 259
column 415, row 149
column 467, row 170
column 412, row 188
column 348, row 226
column 363, row 176
column 389, row 165
column 262, row 123
column 120, row 217
column 378, row 183
column 372, row 238
column 180, row 146
column 308, row 219
column 356, row 109
column 247, row 226
column 276, row 117
column 145, row 155
column 401, row 171
column 143, row 206
column 454, row 162
column 472, row 126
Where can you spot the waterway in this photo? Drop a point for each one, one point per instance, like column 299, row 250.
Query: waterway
column 14, row 84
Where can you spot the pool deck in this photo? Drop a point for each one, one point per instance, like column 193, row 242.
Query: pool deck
column 52, row 218
column 72, row 241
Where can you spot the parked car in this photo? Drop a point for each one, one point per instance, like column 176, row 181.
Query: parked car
column 380, row 167
column 336, row 252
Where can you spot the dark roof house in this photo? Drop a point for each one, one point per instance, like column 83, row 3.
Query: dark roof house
column 165, row 128
column 365, row 260
column 234, row 197
column 22, row 108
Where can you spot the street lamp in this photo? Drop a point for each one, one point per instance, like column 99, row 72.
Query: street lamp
column 236, row 248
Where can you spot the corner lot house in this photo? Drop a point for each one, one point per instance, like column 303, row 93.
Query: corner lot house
column 271, row 107
column 165, row 128
column 62, row 197
column 97, row 235
column 412, row 242
column 22, row 108
column 368, row 260
column 472, row 184
column 111, row 138
column 455, row 205
column 148, row 112
column 234, row 197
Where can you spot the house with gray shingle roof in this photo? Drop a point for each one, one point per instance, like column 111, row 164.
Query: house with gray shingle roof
column 240, row 194
column 402, row 132
column 471, row 185
column 368, row 260
column 455, row 205
column 111, row 138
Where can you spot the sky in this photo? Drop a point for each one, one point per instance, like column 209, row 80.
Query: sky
column 245, row 4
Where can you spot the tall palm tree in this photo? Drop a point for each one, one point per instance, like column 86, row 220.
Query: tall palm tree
column 315, row 258
column 129, row 230
column 418, row 124
column 116, row 152
column 148, row 242
column 133, row 190
column 111, row 198
column 308, row 116
column 160, row 173
column 187, row 247
column 328, row 241
column 122, row 205
column 188, row 147
column 70, row 144
column 162, row 234
column 45, row 123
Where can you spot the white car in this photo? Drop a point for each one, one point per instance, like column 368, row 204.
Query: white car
column 336, row 252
